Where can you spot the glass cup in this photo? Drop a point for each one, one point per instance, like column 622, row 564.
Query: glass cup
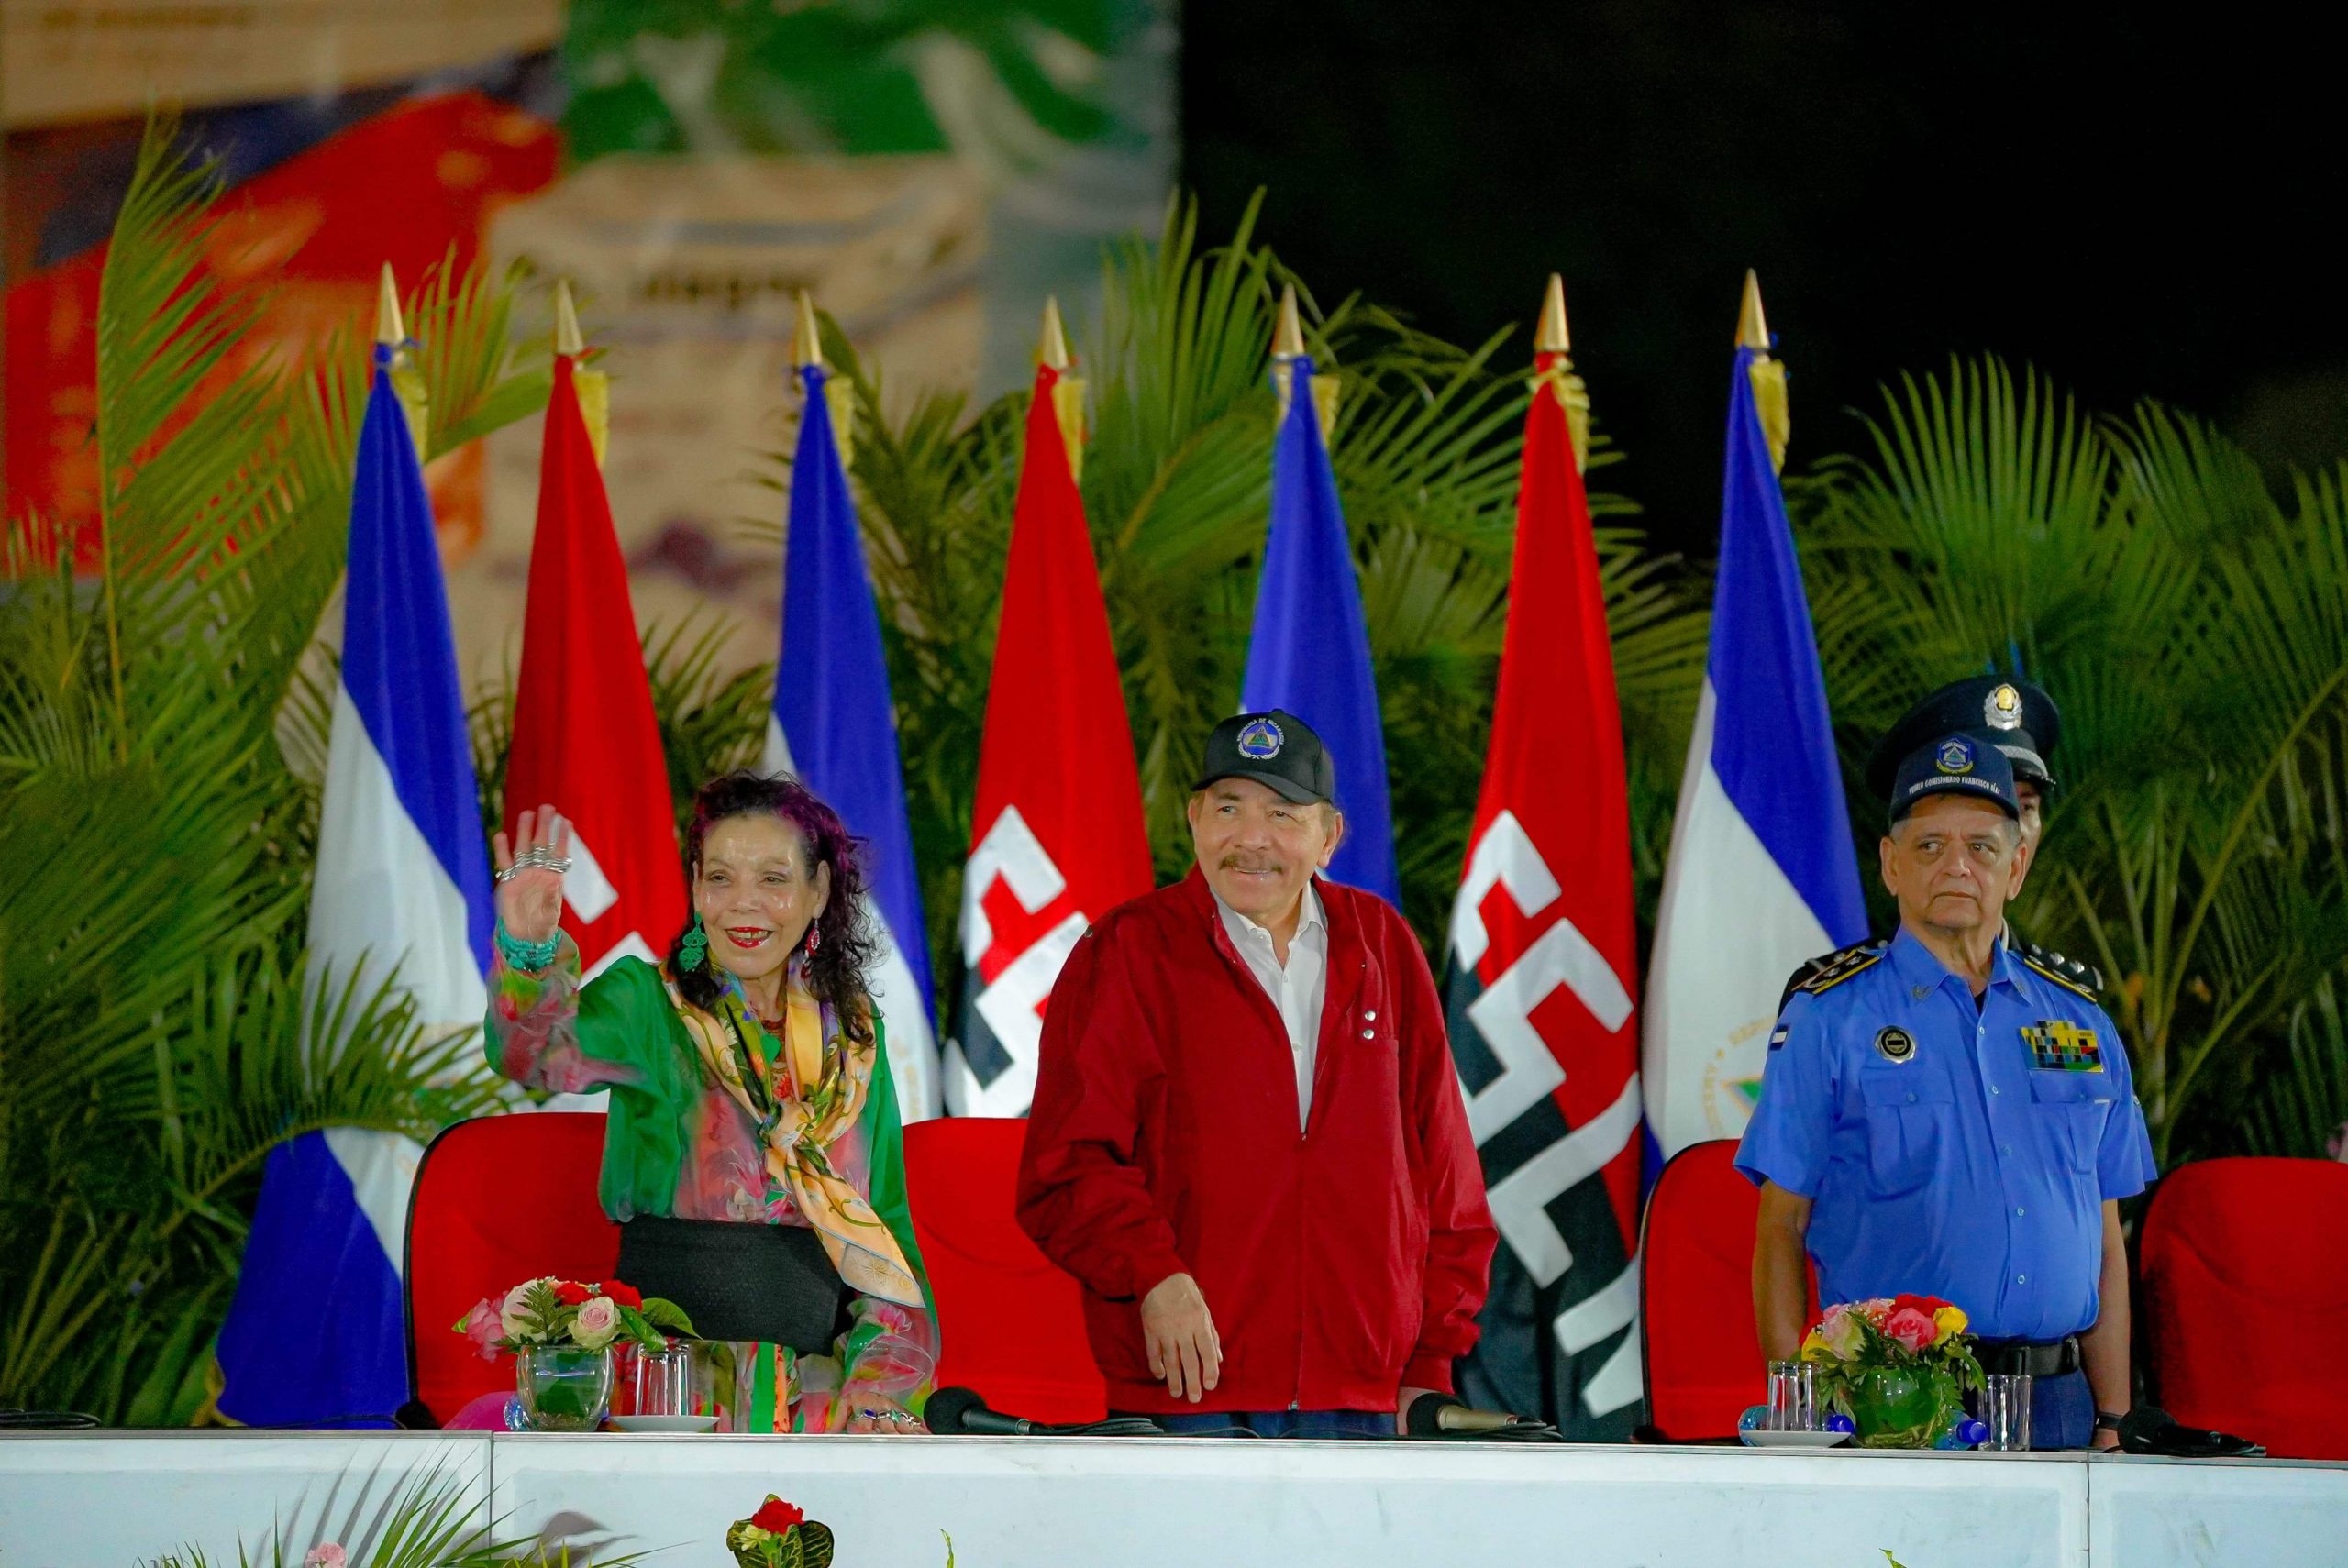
column 1793, row 1397
column 673, row 1380
column 2005, row 1410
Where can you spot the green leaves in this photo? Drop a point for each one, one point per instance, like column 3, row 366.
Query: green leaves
column 163, row 729
column 2194, row 628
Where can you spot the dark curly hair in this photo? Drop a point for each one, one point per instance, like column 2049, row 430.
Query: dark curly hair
column 848, row 946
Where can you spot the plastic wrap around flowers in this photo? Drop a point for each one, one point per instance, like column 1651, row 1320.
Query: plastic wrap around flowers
column 1899, row 1331
column 550, row 1311
column 779, row 1536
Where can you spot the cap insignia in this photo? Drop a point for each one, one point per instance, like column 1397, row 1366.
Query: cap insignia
column 2001, row 710
column 1261, row 741
column 1956, row 756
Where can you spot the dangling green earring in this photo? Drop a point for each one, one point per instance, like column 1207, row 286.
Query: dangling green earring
column 693, row 951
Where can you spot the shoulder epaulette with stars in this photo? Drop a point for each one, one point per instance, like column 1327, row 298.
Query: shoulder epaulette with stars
column 1829, row 970
column 2068, row 973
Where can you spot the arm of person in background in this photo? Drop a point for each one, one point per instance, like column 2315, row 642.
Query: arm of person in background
column 1081, row 1194
column 1781, row 1273
column 2124, row 1167
column 2104, row 1347
column 1784, row 1153
column 1456, row 1273
column 544, row 1030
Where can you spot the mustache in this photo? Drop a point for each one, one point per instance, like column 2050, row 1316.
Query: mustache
column 1250, row 863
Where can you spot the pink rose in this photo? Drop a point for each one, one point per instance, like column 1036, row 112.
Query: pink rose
column 326, row 1554
column 598, row 1321
column 1911, row 1326
column 483, row 1326
column 1840, row 1331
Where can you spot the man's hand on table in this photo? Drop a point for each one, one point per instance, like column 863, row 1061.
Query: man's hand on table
column 1178, row 1334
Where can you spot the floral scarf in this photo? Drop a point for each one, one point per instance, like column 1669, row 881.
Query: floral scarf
column 834, row 1073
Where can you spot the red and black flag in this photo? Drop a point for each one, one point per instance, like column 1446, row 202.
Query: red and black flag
column 1540, row 962
column 584, row 734
column 1056, row 837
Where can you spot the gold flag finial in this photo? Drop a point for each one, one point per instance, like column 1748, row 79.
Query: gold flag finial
column 1288, row 338
column 806, row 341
column 1552, row 339
column 1053, row 350
column 388, row 331
column 1751, row 326
column 567, row 340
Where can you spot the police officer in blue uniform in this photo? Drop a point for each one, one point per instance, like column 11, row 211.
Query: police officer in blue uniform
column 1941, row 1113
column 2021, row 720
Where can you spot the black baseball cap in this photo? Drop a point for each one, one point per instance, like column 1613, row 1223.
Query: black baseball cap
column 2016, row 717
column 1955, row 764
column 1278, row 750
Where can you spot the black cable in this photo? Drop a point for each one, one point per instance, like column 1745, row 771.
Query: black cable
column 45, row 1421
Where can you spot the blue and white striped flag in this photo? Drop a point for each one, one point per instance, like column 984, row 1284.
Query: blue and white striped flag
column 834, row 726
column 1309, row 649
column 1761, row 875
column 314, row 1333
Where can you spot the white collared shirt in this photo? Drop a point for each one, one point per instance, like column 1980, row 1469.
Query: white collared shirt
column 1298, row 988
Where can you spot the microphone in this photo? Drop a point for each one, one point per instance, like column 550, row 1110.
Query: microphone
column 1440, row 1415
column 2148, row 1428
column 962, row 1412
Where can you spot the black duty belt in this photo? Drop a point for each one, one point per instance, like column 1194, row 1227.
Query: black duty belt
column 2035, row 1358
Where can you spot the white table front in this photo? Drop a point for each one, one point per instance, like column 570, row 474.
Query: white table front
column 90, row 1500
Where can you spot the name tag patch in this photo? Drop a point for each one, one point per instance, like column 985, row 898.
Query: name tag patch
column 2057, row 1046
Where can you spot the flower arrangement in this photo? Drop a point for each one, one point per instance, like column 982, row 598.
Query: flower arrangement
column 779, row 1536
column 1894, row 1366
column 550, row 1311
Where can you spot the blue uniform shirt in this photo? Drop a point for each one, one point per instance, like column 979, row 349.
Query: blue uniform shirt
column 1953, row 1151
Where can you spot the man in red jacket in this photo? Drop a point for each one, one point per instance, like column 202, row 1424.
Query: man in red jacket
column 1248, row 1144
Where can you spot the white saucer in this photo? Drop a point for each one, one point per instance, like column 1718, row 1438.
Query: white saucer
column 669, row 1423
column 1795, row 1439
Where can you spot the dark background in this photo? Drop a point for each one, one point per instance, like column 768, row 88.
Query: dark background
column 2138, row 207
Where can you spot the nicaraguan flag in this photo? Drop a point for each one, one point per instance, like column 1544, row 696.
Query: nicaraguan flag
column 1309, row 649
column 834, row 726
column 1761, row 875
column 402, row 883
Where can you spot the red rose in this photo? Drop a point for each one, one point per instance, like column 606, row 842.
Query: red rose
column 777, row 1516
column 570, row 1293
column 1927, row 1305
column 624, row 1294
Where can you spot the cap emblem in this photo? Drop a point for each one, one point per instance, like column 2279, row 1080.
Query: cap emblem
column 1261, row 741
column 1955, row 755
column 2001, row 710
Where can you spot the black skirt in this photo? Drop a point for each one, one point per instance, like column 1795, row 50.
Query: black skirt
column 739, row 1281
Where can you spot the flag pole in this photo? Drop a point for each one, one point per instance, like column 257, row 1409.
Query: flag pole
column 388, row 330
column 1553, row 337
column 567, row 340
column 806, row 340
column 1751, row 326
column 1052, row 348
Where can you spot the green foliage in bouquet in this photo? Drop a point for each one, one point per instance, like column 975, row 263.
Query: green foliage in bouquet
column 550, row 1311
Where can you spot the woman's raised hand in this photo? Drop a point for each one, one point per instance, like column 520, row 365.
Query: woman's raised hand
column 529, row 901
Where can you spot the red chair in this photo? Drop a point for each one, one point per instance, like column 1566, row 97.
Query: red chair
column 1013, row 1323
column 1702, row 1351
column 497, row 1200
column 2244, row 1265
